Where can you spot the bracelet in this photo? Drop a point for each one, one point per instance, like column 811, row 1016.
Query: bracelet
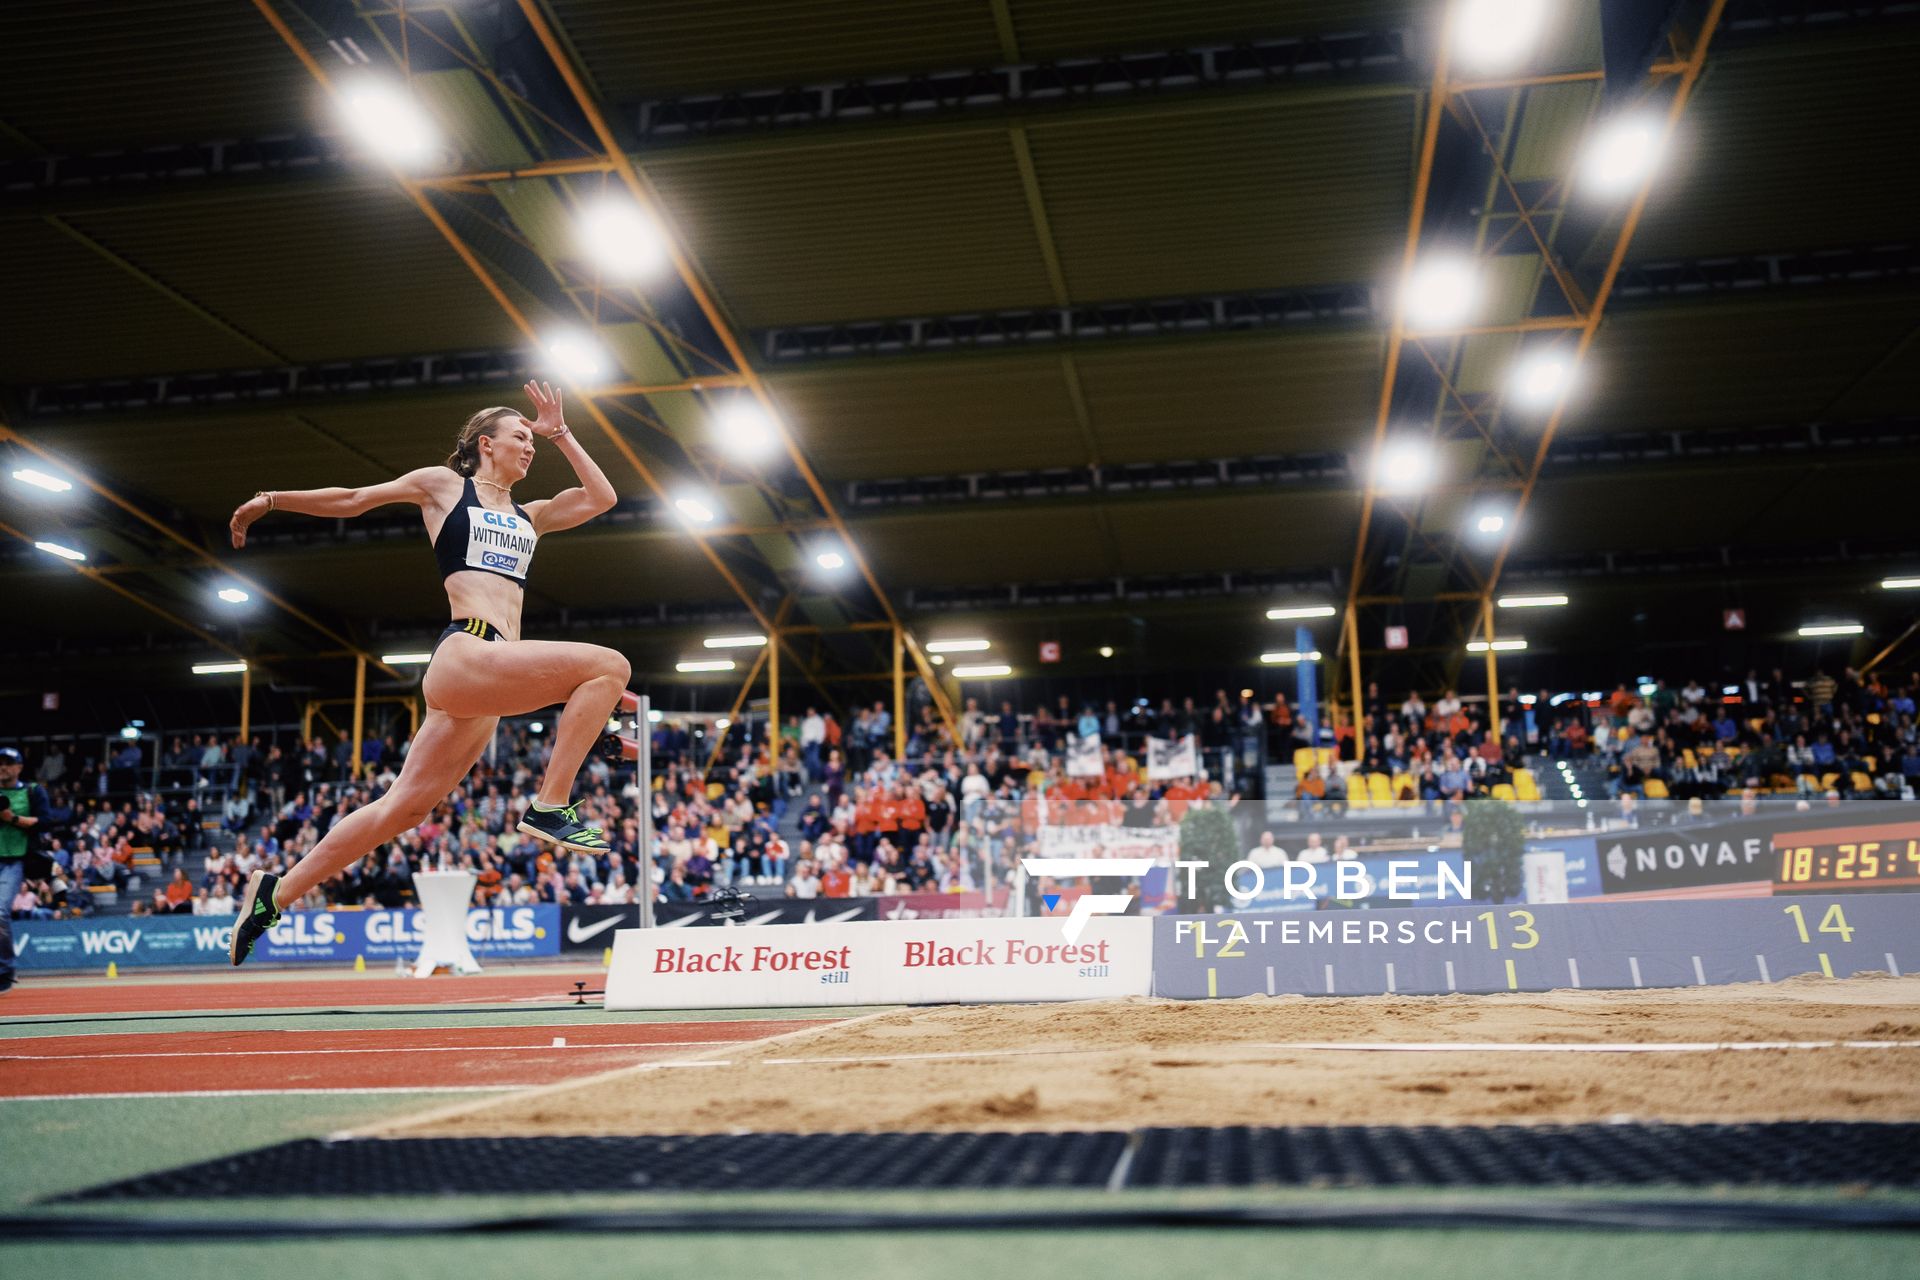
column 268, row 495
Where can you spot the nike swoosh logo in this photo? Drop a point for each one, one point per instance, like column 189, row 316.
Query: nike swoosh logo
column 577, row 935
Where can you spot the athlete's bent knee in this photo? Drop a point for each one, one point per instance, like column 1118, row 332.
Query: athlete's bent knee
column 614, row 665
column 404, row 812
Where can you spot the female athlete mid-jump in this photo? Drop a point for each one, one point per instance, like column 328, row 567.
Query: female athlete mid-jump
column 481, row 669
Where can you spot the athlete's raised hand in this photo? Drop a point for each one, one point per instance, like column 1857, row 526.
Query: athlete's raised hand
column 249, row 511
column 551, row 420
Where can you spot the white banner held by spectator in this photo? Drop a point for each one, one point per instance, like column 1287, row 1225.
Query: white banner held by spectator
column 1109, row 841
column 1083, row 757
column 1176, row 758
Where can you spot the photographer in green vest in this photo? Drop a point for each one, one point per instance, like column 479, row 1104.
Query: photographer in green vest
column 22, row 808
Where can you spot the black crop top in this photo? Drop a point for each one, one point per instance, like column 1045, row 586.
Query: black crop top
column 479, row 538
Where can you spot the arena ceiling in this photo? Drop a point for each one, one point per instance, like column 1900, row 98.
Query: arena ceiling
column 1077, row 308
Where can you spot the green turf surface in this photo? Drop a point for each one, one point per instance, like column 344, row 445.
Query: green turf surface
column 964, row 1255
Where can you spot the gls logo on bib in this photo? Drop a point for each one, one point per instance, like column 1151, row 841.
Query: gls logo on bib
column 500, row 541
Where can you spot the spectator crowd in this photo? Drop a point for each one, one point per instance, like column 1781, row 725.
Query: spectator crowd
column 827, row 809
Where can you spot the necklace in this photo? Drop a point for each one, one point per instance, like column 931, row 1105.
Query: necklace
column 494, row 484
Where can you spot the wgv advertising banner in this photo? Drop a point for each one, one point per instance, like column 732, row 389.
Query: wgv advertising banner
column 301, row 936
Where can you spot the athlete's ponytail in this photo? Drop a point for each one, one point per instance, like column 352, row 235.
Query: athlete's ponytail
column 465, row 457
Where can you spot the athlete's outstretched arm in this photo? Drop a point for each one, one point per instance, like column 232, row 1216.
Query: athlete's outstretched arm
column 593, row 496
column 416, row 487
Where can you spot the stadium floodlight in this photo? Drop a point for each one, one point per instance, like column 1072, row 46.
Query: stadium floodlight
column 1540, row 378
column 938, row 659
column 234, row 595
column 1496, row 35
column 41, row 480
column 831, row 561
column 390, row 123
column 218, row 668
column 1289, row 658
column 983, row 671
column 656, row 716
column 1498, row 646
column 734, row 642
column 406, row 659
column 1727, row 689
column 1300, row 611
column 1404, row 466
column 129, row 734
column 1620, row 156
column 1532, row 602
column 722, row 722
column 577, row 357
column 1442, row 292
column 695, row 508
column 746, row 430
column 58, row 549
column 958, row 646
column 1106, row 651
column 1490, row 522
column 1832, row 629
column 1899, row 584
column 692, row 665
column 618, row 235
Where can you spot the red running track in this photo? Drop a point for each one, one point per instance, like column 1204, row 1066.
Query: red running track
column 385, row 1058
column 31, row 999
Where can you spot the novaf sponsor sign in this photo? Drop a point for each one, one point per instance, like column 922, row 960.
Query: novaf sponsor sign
column 879, row 962
column 1686, row 857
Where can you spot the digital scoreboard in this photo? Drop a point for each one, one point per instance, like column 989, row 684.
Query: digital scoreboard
column 1847, row 858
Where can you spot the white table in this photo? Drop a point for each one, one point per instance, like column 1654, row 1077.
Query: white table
column 444, row 899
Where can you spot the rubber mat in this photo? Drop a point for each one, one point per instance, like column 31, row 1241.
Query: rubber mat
column 1773, row 1155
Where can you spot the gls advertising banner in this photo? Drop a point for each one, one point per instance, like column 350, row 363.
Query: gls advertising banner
column 492, row 932
column 879, row 962
column 301, row 936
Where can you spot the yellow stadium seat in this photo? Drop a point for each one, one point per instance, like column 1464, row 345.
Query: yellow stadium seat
column 1656, row 789
column 1404, row 782
column 1688, row 758
column 1303, row 760
column 1380, row 790
column 1504, row 791
column 1861, row 782
column 1357, row 796
column 1323, row 755
column 1828, row 781
column 1524, row 785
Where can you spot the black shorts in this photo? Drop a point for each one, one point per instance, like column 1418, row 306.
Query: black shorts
column 471, row 626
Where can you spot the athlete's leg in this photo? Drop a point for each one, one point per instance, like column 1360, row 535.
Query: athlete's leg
column 442, row 753
column 472, row 677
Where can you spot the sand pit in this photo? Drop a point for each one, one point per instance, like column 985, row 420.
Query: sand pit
column 1128, row 1063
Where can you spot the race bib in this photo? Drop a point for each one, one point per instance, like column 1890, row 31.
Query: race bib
column 499, row 541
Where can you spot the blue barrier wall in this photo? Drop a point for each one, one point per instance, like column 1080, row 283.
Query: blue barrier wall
column 1482, row 948
column 301, row 936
